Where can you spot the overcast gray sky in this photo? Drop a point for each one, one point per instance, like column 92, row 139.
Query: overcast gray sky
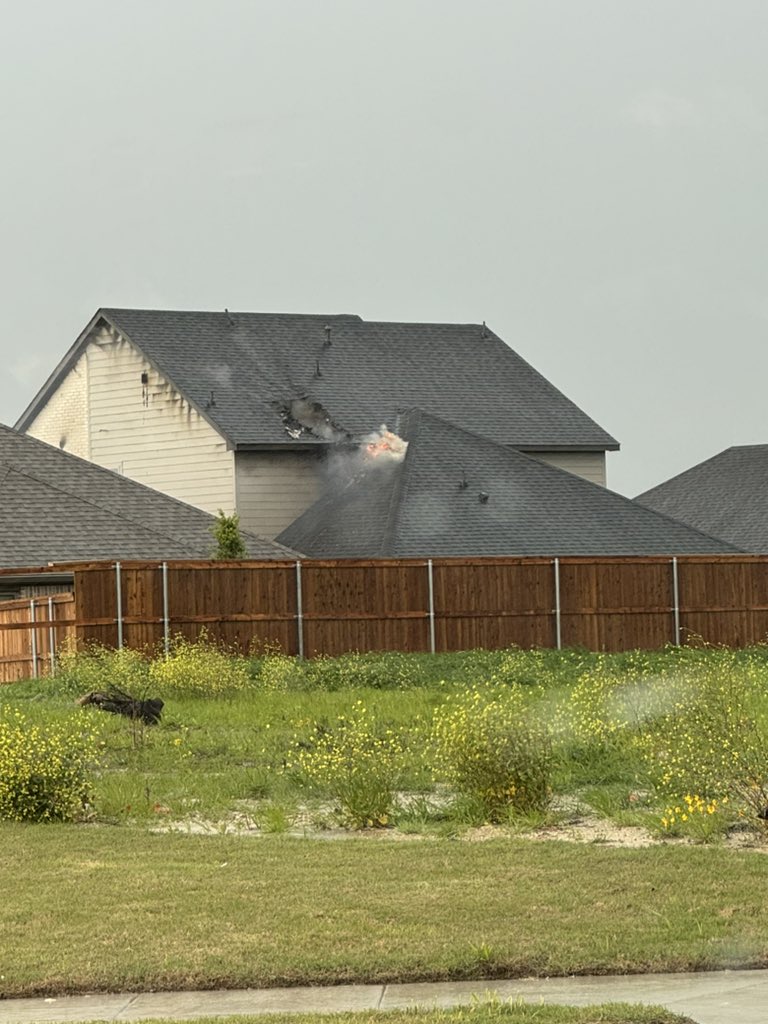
column 588, row 176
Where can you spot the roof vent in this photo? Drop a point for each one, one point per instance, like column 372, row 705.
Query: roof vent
column 327, row 342
column 211, row 401
column 482, row 498
column 463, row 485
column 484, row 332
column 230, row 318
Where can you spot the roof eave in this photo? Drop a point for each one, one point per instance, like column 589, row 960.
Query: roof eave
column 319, row 444
column 53, row 381
column 74, row 353
column 164, row 373
column 612, row 446
column 287, row 445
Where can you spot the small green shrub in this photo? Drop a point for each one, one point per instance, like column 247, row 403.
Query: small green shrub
column 491, row 750
column 44, row 771
column 226, row 533
column 275, row 818
column 711, row 744
column 281, row 673
column 98, row 668
column 357, row 762
column 199, row 669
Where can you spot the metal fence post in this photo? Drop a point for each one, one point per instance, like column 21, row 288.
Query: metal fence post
column 32, row 621
column 558, row 623
column 676, row 600
column 166, row 623
column 119, row 592
column 51, row 637
column 299, row 611
column 431, row 579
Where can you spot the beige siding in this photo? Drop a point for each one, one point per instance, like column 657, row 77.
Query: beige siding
column 150, row 433
column 63, row 421
column 590, row 465
column 273, row 488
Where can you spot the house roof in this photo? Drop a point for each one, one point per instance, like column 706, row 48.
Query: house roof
column 242, row 370
column 55, row 507
column 726, row 495
column 421, row 507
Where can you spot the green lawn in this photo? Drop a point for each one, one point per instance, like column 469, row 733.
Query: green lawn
column 110, row 905
column 481, row 1013
column 108, row 908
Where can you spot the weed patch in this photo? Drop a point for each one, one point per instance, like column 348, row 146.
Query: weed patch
column 45, row 772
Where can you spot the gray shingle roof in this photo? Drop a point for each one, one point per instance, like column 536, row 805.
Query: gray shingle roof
column 420, row 507
column 236, row 368
column 726, row 495
column 55, row 507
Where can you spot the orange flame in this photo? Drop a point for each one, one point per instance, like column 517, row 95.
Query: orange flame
column 385, row 444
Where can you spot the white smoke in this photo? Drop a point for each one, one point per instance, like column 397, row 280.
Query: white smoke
column 305, row 418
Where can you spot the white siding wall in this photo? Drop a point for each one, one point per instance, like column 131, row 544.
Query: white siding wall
column 590, row 465
column 63, row 421
column 148, row 433
column 273, row 488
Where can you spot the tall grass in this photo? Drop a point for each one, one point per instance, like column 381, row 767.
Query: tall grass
column 633, row 733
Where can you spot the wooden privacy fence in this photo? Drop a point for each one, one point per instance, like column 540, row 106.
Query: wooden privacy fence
column 31, row 632
column 329, row 607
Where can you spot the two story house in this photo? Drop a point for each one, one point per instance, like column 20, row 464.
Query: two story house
column 245, row 411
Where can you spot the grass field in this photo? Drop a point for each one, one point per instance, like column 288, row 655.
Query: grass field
column 226, row 756
column 108, row 908
column 133, row 895
column 482, row 1013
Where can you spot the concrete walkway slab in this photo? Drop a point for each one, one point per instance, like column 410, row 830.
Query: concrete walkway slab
column 717, row 997
column 188, row 1005
column 66, row 1009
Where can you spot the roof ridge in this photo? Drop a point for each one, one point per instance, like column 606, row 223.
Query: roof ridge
column 232, row 312
column 398, row 492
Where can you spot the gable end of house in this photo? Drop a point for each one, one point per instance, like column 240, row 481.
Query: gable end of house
column 107, row 402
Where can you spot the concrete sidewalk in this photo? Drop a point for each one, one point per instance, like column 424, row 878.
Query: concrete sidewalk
column 717, row 997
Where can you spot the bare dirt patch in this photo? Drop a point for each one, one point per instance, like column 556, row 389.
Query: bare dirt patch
column 582, row 828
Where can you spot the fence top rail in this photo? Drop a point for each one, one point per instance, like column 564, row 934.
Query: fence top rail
column 342, row 563
column 40, row 601
column 30, row 573
column 129, row 566
column 67, row 569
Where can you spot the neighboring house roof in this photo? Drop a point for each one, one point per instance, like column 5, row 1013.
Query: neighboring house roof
column 431, row 504
column 726, row 495
column 243, row 370
column 55, row 507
